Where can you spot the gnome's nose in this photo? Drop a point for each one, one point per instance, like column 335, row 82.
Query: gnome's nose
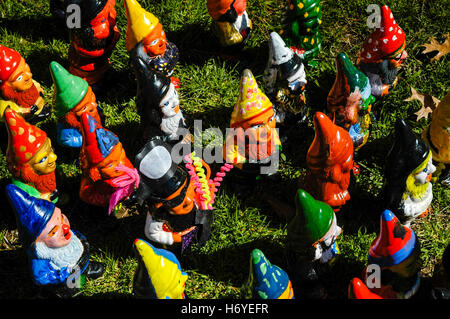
column 66, row 231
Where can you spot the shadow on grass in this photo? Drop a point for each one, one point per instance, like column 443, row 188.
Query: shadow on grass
column 37, row 28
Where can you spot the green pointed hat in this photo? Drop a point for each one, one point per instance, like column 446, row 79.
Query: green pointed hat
column 313, row 219
column 355, row 78
column 69, row 89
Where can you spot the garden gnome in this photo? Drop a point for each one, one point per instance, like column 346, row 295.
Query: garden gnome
column 231, row 25
column 158, row 104
column 145, row 34
column 58, row 256
column 358, row 290
column 108, row 177
column 396, row 251
column 303, row 34
column 330, row 162
column 30, row 158
column 268, row 281
column 176, row 217
column 159, row 274
column 350, row 100
column 73, row 96
column 93, row 41
column 17, row 86
column 409, row 168
column 311, row 244
column 383, row 53
column 437, row 136
column 253, row 140
column 285, row 80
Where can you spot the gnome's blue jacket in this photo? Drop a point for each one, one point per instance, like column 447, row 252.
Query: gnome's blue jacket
column 44, row 273
column 68, row 136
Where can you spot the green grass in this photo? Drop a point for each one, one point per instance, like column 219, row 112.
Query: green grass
column 209, row 89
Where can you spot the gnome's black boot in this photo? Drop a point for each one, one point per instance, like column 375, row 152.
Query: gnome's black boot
column 94, row 270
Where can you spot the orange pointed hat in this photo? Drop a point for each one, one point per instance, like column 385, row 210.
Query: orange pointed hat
column 386, row 41
column 24, row 139
column 331, row 145
column 358, row 290
column 251, row 102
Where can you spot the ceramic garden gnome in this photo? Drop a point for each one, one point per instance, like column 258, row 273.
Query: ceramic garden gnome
column 30, row 158
column 108, row 177
column 18, row 87
column 396, row 251
column 73, row 97
column 58, row 256
column 147, row 42
column 358, row 290
column 437, row 136
column 94, row 40
column 304, row 18
column 350, row 100
column 176, row 217
column 267, row 281
column 311, row 244
column 285, row 80
column 158, row 104
column 231, row 25
column 252, row 144
column 383, row 53
column 409, row 168
column 159, row 274
column 330, row 163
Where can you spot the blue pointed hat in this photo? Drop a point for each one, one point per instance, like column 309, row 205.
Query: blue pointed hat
column 270, row 281
column 32, row 214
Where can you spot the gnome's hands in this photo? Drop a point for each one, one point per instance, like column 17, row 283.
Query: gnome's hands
column 155, row 231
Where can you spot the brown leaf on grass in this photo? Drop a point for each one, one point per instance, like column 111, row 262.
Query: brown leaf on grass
column 434, row 45
column 427, row 101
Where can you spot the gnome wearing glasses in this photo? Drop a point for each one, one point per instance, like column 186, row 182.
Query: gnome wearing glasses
column 383, row 53
column 175, row 219
column 58, row 256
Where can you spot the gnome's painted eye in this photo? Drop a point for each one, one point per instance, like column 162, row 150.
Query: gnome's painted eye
column 19, row 78
column 167, row 103
column 154, row 42
column 43, row 160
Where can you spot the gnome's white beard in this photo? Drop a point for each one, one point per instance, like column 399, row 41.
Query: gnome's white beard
column 60, row 257
column 170, row 125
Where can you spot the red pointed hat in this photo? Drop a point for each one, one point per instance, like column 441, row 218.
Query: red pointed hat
column 97, row 141
column 394, row 244
column 386, row 41
column 358, row 290
column 9, row 61
column 24, row 139
column 331, row 145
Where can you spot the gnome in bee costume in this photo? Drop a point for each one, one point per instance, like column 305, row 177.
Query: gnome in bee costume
column 108, row 177
column 55, row 251
column 147, row 42
column 409, row 168
column 397, row 251
column 159, row 274
column 350, row 101
column 285, row 80
column 267, row 281
column 92, row 43
column 383, row 53
column 73, row 96
column 252, row 143
column 311, row 244
column 17, row 87
column 30, row 158
column 231, row 23
column 330, row 163
column 437, row 136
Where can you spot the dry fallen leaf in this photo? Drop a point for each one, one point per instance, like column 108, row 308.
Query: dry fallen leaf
column 428, row 102
column 434, row 45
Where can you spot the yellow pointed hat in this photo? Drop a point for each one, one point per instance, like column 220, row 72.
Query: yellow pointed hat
column 251, row 101
column 139, row 23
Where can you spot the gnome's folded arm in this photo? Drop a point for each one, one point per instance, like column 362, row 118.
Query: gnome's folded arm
column 68, row 136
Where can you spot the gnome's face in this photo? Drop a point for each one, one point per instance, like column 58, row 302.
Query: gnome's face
column 424, row 176
column 156, row 42
column 187, row 204
column 398, row 59
column 87, row 104
column 43, row 161
column 325, row 249
column 105, row 21
column 21, row 79
column 57, row 231
column 170, row 102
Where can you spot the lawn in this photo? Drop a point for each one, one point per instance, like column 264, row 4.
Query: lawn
column 209, row 89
